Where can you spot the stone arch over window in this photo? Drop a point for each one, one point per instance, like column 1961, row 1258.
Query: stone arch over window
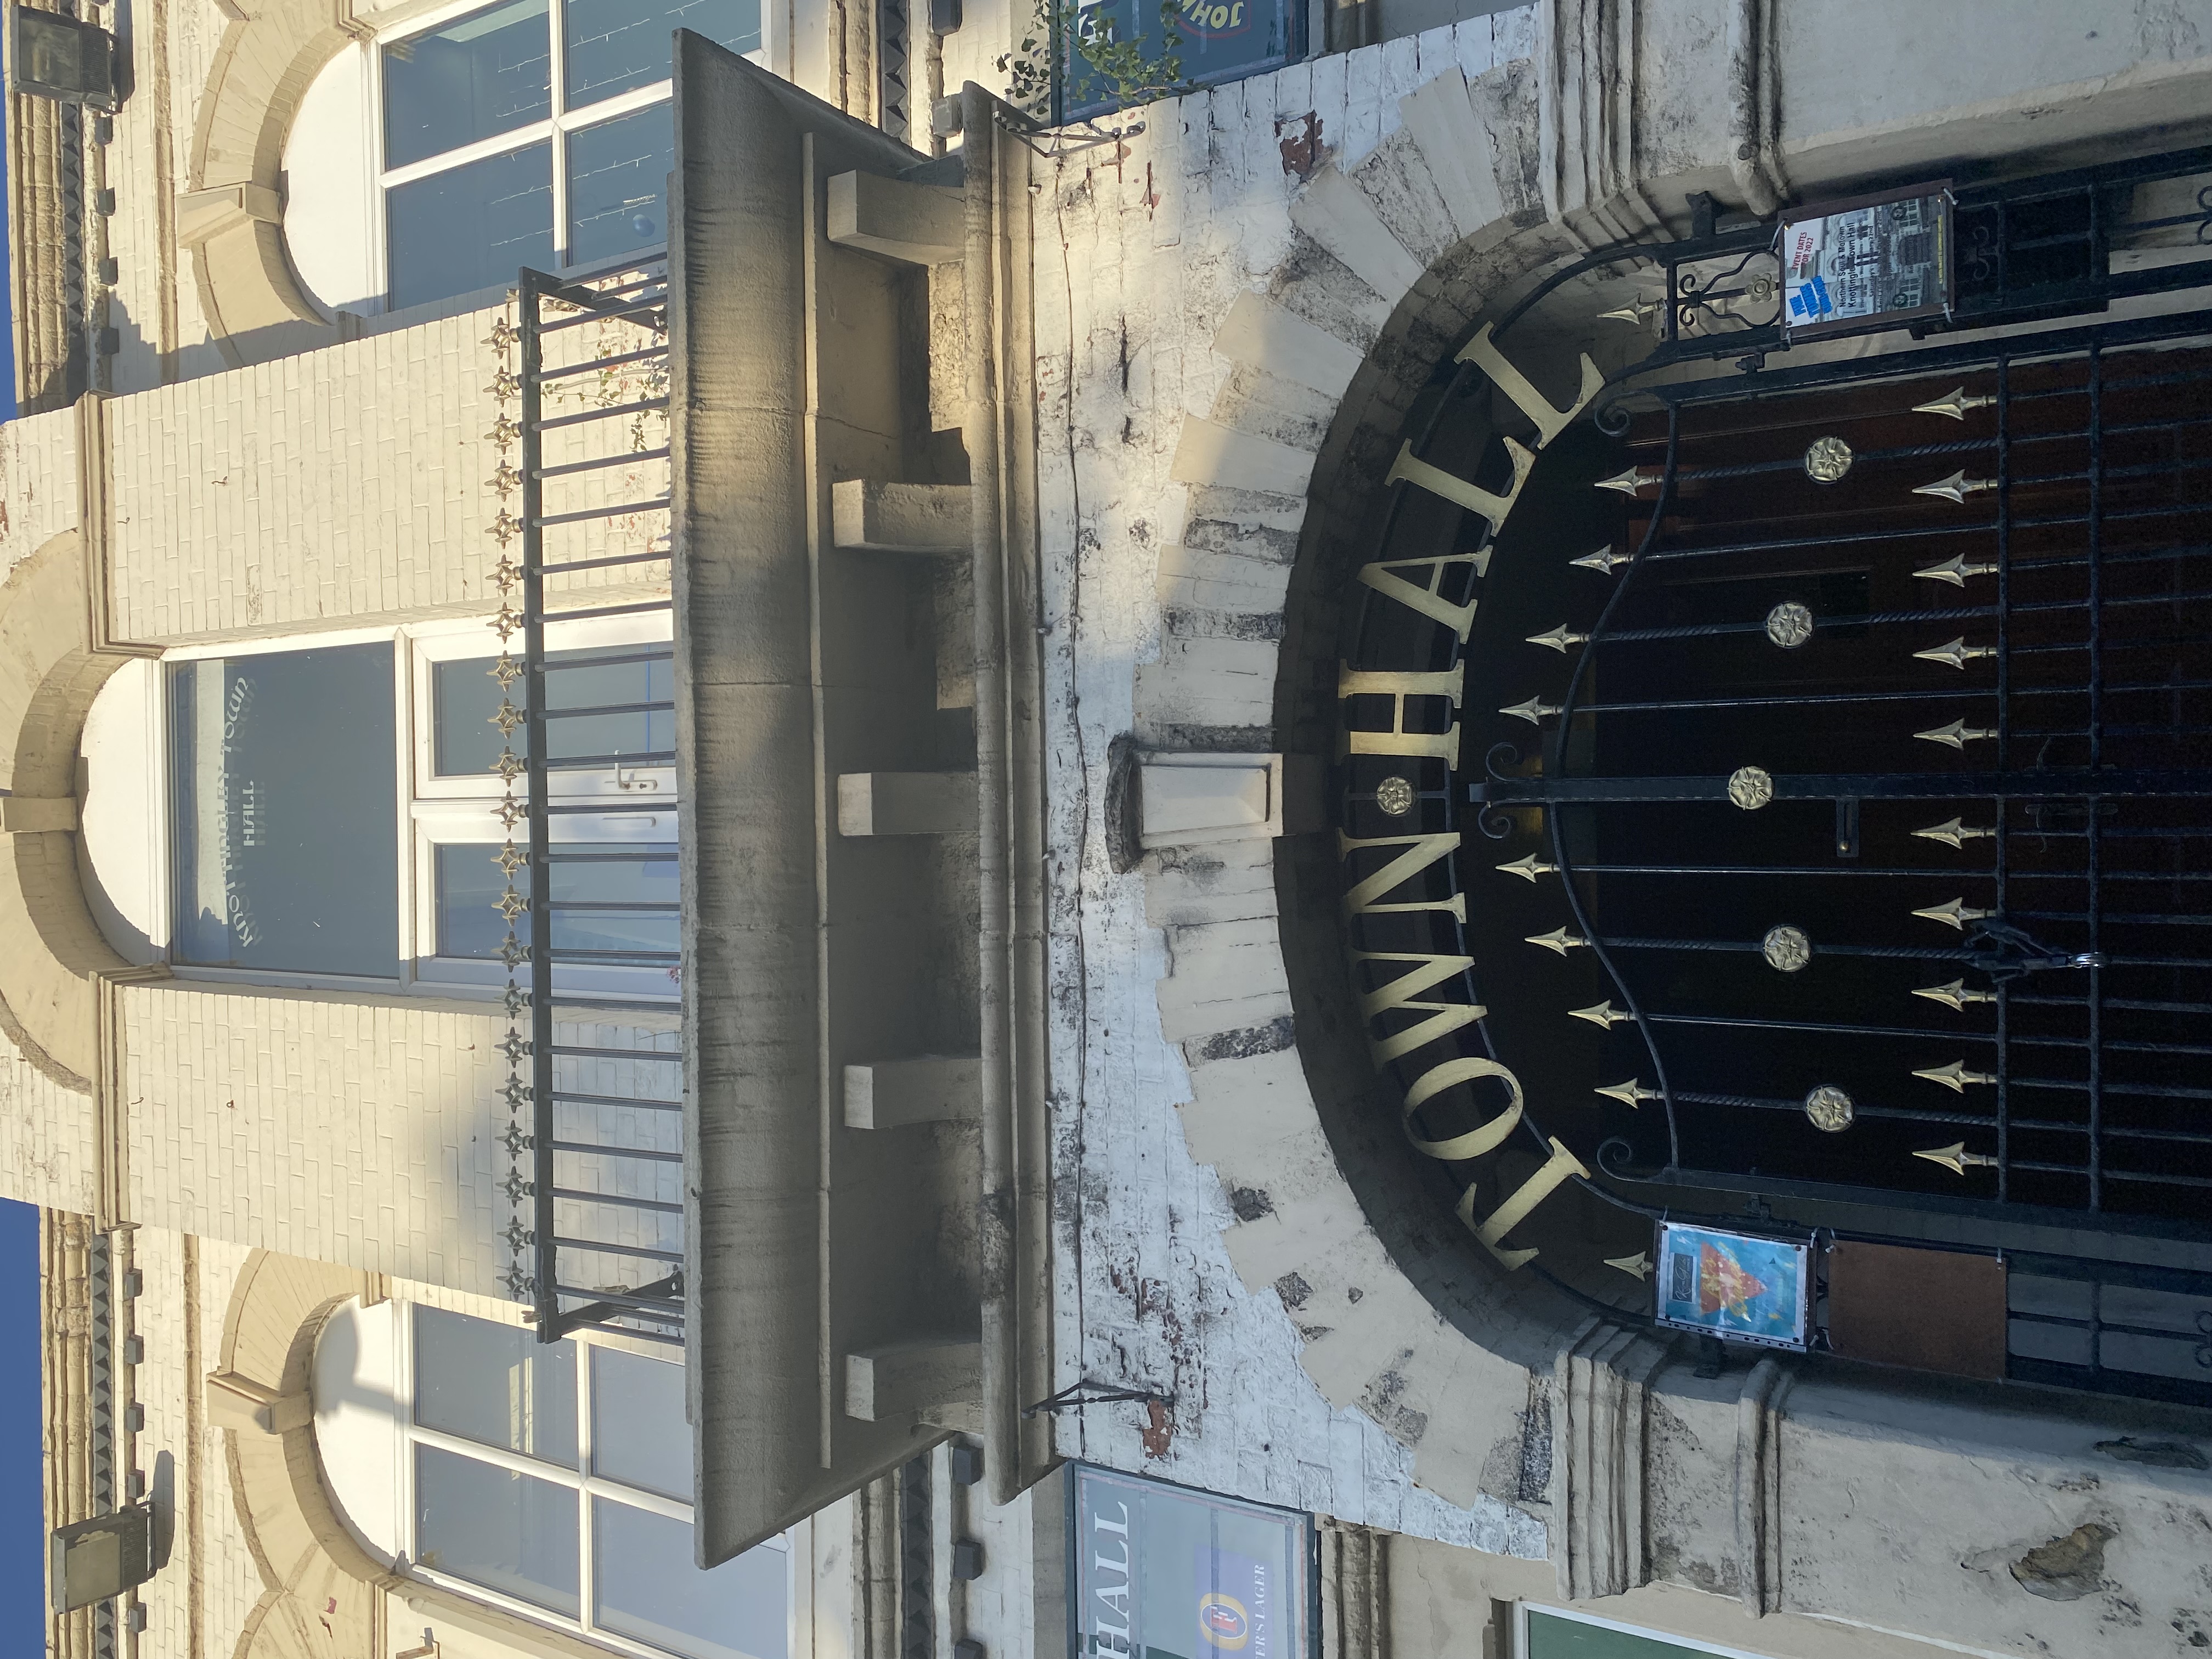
column 311, row 1568
column 53, row 961
column 314, row 1568
column 231, row 218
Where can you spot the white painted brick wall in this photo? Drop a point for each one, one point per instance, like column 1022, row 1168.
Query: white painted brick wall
column 230, row 1582
column 38, row 483
column 356, row 1133
column 1139, row 258
column 367, row 1133
column 349, row 487
column 48, row 1152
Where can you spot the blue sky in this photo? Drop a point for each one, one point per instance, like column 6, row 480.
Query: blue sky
column 22, row 1521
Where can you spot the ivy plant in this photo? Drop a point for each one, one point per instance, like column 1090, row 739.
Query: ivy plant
column 1082, row 48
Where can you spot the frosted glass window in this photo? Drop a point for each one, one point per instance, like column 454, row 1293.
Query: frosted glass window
column 639, row 1436
column 618, row 183
column 648, row 1589
column 614, row 46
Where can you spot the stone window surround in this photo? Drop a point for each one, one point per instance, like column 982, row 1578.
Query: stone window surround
column 230, row 212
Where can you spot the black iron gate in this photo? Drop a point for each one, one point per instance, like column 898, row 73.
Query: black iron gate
column 1980, row 817
column 1874, row 780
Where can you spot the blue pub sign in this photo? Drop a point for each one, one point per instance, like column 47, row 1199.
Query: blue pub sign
column 1161, row 1572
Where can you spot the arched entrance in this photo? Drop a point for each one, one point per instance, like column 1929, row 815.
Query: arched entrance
column 1659, row 737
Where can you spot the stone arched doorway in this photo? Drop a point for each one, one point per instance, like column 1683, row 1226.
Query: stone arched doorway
column 1400, row 1315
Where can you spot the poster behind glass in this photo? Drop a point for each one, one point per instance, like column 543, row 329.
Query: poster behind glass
column 1873, row 262
column 1216, row 41
column 283, row 771
column 1167, row 1572
column 1737, row 1287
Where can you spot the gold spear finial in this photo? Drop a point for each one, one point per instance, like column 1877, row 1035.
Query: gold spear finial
column 1956, row 1158
column 1631, row 1093
column 1956, row 914
column 1603, row 1015
column 1956, row 1077
column 1954, row 995
column 1951, row 832
column 1955, row 403
column 1557, row 940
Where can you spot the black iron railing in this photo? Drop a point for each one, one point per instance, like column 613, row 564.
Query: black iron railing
column 595, row 1073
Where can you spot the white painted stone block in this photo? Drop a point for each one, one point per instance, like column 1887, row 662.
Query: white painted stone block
column 911, row 1379
column 1208, row 452
column 1261, row 333
column 888, row 1094
column 1189, row 798
column 1238, row 1106
column 1441, row 123
column 1189, row 578
column 1337, row 213
column 915, row 224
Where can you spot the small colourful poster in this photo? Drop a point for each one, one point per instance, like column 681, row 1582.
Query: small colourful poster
column 1734, row 1286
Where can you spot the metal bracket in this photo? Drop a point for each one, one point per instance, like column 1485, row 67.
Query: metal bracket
column 1075, row 1397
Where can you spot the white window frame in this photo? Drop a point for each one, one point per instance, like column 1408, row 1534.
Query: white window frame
column 553, row 130
column 435, row 810
column 408, row 1434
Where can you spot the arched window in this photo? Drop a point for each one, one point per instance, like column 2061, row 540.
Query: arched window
column 528, row 132
column 551, row 1480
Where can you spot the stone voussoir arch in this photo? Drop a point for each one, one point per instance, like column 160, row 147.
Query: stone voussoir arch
column 231, row 218
column 54, row 962
column 1393, row 261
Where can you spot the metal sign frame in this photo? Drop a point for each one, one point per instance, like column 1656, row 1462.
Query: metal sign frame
column 1794, row 1301
column 1243, row 1638
column 1811, row 230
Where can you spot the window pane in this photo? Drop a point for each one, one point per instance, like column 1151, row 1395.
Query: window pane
column 618, row 184
column 647, row 1589
column 471, row 226
column 488, row 73
column 639, row 1436
column 464, row 697
column 616, row 44
column 283, row 769
column 612, row 874
column 508, row 1531
column 495, row 1383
